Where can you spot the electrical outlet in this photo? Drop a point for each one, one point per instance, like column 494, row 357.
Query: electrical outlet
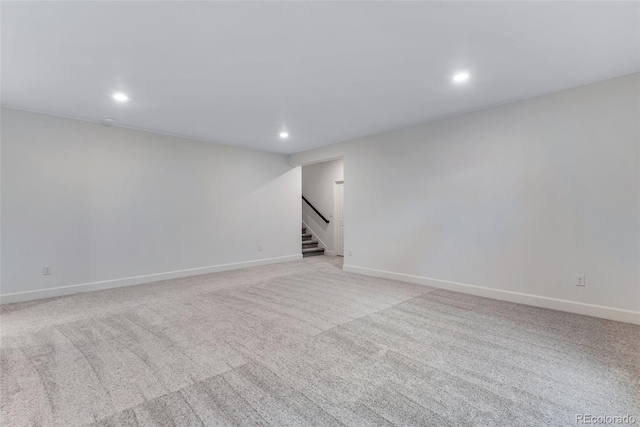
column 46, row 270
column 259, row 248
column 580, row 280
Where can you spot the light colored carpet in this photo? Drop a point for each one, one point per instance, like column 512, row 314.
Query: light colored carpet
column 303, row 343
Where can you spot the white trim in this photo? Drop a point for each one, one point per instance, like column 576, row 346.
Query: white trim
column 336, row 222
column 137, row 280
column 610, row 313
column 309, row 229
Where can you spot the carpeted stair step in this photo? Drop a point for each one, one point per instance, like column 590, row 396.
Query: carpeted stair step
column 304, row 230
column 312, row 252
column 309, row 244
column 306, row 236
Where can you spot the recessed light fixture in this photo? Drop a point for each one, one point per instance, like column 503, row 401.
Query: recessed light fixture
column 120, row 97
column 461, row 77
column 284, row 134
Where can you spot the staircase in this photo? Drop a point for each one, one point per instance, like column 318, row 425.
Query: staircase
column 310, row 247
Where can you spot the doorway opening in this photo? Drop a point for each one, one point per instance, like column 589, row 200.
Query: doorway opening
column 323, row 208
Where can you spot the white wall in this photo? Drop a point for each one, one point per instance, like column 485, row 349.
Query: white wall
column 318, row 182
column 513, row 200
column 111, row 204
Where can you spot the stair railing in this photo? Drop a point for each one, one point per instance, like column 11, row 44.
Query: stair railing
column 315, row 210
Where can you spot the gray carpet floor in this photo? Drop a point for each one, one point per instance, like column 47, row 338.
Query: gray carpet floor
column 303, row 343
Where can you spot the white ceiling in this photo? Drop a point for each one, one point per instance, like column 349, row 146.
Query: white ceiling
column 239, row 72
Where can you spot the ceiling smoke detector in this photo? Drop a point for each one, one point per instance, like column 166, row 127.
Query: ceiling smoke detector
column 107, row 121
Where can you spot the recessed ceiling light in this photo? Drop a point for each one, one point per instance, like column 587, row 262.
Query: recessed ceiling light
column 121, row 97
column 284, row 134
column 461, row 77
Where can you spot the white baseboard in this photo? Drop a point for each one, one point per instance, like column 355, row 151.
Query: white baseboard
column 137, row 280
column 603, row 312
